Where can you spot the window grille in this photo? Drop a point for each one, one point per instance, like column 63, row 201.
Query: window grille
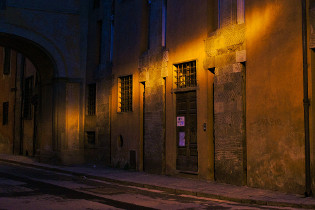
column 5, row 116
column 92, row 99
column 231, row 12
column 125, row 94
column 90, row 137
column 186, row 74
column 7, row 61
column 28, row 92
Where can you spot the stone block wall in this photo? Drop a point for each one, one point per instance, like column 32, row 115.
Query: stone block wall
column 152, row 64
column 226, row 53
column 229, row 124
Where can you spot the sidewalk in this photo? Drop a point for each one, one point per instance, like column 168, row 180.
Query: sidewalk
column 175, row 185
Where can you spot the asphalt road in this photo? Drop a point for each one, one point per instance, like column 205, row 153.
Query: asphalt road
column 31, row 188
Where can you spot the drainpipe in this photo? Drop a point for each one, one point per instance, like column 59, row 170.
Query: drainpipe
column 22, row 104
column 306, row 102
column 14, row 108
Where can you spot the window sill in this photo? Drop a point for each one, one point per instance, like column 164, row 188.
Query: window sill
column 187, row 89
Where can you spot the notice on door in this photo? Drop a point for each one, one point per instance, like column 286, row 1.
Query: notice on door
column 181, row 141
column 181, row 121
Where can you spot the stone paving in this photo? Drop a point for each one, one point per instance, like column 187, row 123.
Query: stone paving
column 177, row 185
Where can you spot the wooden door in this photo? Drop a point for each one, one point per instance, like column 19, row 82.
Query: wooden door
column 186, row 132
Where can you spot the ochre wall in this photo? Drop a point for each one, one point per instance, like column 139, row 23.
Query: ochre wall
column 6, row 83
column 187, row 28
column 274, row 90
column 129, row 43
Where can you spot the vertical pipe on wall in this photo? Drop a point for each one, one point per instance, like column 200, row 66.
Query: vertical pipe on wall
column 306, row 102
column 14, row 104
column 22, row 104
column 164, row 128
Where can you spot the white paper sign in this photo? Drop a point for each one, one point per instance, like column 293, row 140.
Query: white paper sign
column 180, row 121
column 181, row 141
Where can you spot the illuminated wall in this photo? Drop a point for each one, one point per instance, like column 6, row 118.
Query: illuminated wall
column 226, row 51
column 274, row 95
column 6, row 83
column 129, row 43
column 18, row 134
column 186, row 32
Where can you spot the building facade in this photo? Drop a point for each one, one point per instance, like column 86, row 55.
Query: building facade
column 209, row 89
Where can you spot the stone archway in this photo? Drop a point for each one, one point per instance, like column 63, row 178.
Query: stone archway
column 45, row 67
column 58, row 97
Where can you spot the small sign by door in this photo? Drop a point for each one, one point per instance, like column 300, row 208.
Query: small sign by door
column 181, row 121
column 181, row 141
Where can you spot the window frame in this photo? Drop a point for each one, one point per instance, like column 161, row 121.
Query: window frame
column 237, row 13
column 125, row 93
column 186, row 77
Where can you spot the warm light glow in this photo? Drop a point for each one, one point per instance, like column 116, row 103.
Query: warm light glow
column 260, row 19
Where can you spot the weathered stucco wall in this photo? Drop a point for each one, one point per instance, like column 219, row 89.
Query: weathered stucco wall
column 274, row 88
column 152, row 68
column 311, row 73
column 187, row 28
column 6, row 83
column 99, row 73
column 129, row 44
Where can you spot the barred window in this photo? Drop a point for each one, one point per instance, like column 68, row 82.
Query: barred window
column 231, row 12
column 28, row 92
column 91, row 99
column 186, row 74
column 5, row 116
column 125, row 94
column 7, row 61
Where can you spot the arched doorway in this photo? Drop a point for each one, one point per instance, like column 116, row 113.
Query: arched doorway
column 37, row 96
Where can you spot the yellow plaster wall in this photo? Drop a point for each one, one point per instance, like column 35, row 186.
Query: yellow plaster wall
column 187, row 29
column 6, row 95
column 274, row 90
column 129, row 43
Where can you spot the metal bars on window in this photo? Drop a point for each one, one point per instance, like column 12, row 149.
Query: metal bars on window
column 91, row 99
column 125, row 98
column 186, row 74
column 231, row 12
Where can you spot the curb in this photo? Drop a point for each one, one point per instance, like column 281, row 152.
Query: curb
column 168, row 189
